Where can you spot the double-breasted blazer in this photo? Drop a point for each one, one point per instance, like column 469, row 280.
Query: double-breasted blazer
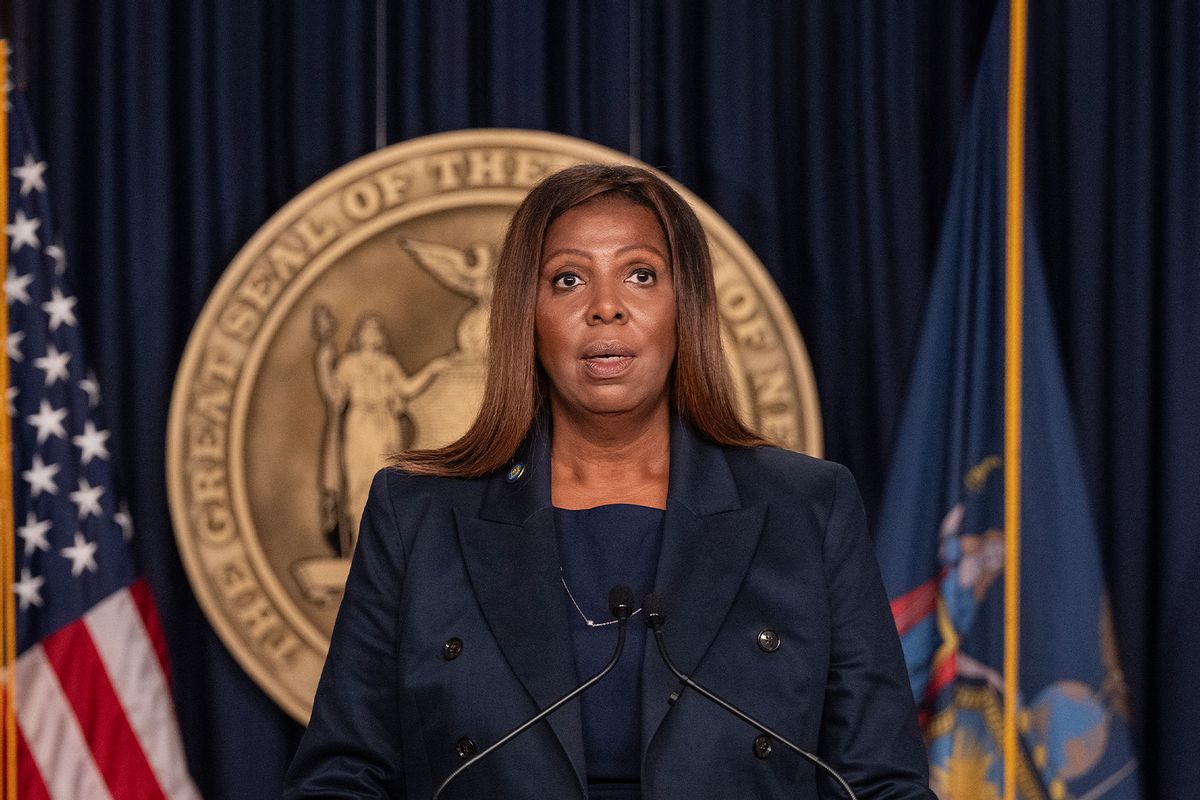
column 453, row 629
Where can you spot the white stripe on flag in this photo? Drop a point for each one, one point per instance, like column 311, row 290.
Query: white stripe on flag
column 53, row 734
column 133, row 668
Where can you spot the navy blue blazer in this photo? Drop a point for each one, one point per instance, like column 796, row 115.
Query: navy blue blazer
column 753, row 538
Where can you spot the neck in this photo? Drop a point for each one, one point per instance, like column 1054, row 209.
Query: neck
column 618, row 458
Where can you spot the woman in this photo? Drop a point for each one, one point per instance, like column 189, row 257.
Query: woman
column 608, row 451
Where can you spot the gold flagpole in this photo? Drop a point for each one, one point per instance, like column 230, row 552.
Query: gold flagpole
column 1013, row 342
column 8, row 549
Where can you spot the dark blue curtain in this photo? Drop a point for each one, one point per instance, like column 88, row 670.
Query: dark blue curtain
column 823, row 132
column 1115, row 163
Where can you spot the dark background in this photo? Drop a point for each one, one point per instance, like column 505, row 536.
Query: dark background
column 824, row 132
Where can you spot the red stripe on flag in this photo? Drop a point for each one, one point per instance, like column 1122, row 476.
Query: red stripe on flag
column 30, row 785
column 942, row 676
column 85, row 683
column 144, row 600
column 909, row 609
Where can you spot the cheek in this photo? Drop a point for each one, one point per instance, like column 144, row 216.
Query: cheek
column 665, row 331
column 549, row 340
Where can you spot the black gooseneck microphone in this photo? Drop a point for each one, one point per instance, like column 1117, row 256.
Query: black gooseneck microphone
column 652, row 613
column 620, row 605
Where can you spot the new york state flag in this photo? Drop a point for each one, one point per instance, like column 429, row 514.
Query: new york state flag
column 941, row 537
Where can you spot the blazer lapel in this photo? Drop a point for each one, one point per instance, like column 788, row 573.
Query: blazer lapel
column 709, row 539
column 511, row 553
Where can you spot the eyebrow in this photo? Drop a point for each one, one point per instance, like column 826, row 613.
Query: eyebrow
column 620, row 250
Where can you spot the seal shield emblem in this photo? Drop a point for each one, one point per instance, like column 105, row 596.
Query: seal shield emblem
column 353, row 324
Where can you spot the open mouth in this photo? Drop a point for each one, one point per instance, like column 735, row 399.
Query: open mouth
column 607, row 359
column 603, row 351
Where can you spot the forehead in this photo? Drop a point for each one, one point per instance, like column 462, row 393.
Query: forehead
column 605, row 220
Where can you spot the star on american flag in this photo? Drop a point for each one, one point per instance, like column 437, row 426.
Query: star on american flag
column 13, row 345
column 60, row 308
column 34, row 533
column 91, row 442
column 29, row 589
column 82, row 555
column 31, row 173
column 40, row 477
column 16, row 286
column 48, row 421
column 22, row 232
column 54, row 364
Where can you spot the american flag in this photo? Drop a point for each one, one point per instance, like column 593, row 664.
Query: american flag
column 92, row 686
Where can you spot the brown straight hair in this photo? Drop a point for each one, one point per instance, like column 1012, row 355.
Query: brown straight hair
column 515, row 390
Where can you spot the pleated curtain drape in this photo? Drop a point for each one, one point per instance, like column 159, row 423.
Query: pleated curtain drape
column 823, row 132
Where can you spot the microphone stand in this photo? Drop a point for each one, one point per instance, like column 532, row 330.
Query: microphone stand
column 622, row 608
column 654, row 620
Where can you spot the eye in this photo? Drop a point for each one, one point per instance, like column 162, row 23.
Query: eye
column 566, row 280
column 643, row 276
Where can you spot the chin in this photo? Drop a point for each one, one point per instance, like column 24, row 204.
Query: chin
column 610, row 409
column 614, row 402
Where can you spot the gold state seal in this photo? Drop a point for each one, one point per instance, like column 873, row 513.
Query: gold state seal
column 354, row 324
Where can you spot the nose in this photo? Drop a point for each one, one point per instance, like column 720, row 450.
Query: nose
column 606, row 306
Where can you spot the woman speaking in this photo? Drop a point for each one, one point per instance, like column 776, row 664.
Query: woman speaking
column 608, row 452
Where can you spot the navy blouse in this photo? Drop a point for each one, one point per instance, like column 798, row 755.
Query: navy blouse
column 600, row 548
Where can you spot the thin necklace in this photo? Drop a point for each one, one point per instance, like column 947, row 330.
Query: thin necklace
column 589, row 622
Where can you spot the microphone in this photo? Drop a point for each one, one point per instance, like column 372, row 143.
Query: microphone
column 620, row 605
column 655, row 617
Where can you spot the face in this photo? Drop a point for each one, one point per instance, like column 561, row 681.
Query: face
column 370, row 335
column 605, row 316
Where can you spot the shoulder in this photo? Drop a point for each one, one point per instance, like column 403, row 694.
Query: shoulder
column 774, row 468
column 397, row 486
column 403, row 525
column 777, row 476
column 401, row 505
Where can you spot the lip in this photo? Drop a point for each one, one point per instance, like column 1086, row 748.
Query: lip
column 607, row 359
column 610, row 347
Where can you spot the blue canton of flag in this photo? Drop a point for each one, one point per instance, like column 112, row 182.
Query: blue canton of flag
column 72, row 537
column 942, row 540
column 92, row 694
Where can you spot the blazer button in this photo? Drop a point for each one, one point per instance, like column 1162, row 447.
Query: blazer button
column 466, row 748
column 762, row 746
column 452, row 649
column 768, row 640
